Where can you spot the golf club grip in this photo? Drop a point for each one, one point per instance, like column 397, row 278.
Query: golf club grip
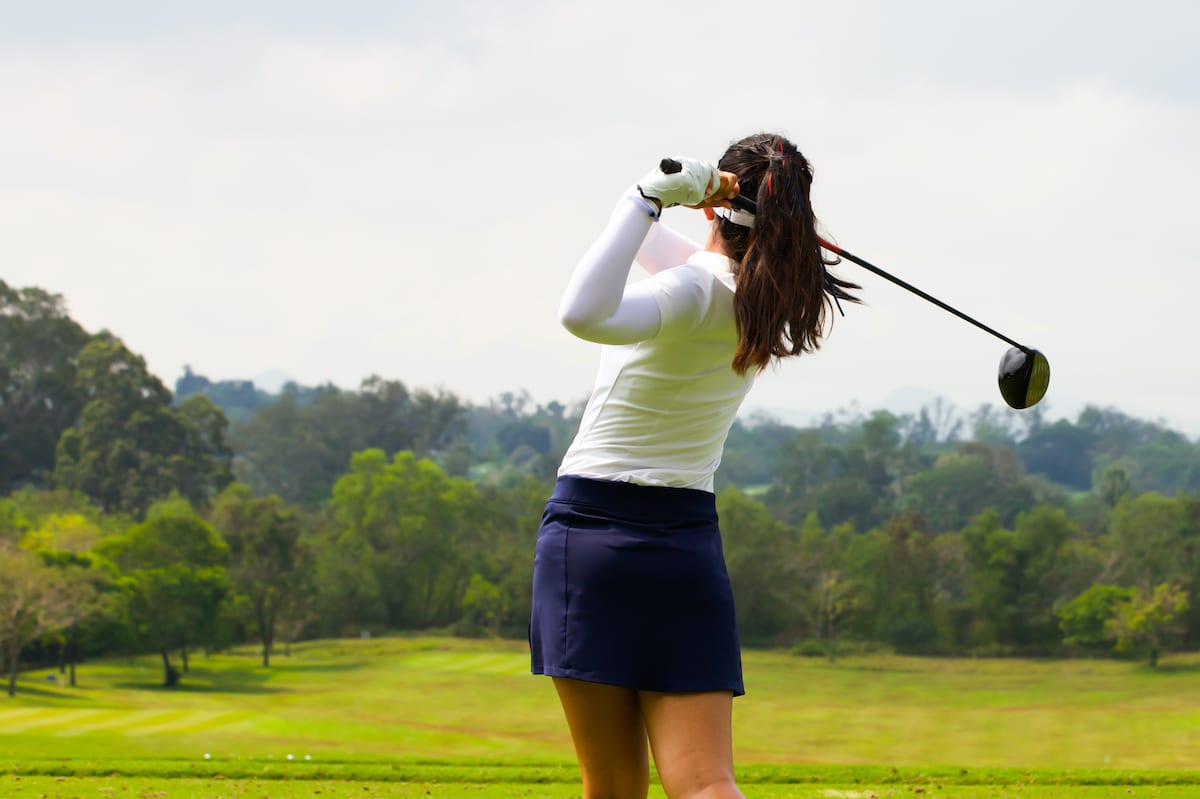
column 670, row 166
column 744, row 203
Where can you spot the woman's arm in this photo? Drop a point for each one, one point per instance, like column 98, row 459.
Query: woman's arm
column 664, row 248
column 597, row 305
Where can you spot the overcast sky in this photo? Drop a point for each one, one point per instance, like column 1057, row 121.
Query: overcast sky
column 335, row 190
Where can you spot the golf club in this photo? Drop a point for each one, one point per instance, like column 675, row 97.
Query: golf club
column 1024, row 371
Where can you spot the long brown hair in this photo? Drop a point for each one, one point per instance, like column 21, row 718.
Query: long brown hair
column 783, row 291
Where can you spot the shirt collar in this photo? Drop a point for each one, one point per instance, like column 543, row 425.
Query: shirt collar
column 714, row 262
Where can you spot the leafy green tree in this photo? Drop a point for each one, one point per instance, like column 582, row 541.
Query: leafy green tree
column 1062, row 452
column 1171, row 463
column 130, row 446
column 1152, row 542
column 499, row 546
column 39, row 347
column 298, row 447
column 1149, row 622
column 35, row 600
column 953, row 612
column 266, row 563
column 897, row 569
column 176, row 563
column 751, row 451
column 760, row 559
column 1153, row 457
column 1113, row 485
column 1085, row 619
column 402, row 522
column 1016, row 577
column 68, row 543
column 483, row 604
column 962, row 485
column 935, row 424
column 830, row 479
column 828, row 596
column 994, row 427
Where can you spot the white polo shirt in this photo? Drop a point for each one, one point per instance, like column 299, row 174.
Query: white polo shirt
column 661, row 408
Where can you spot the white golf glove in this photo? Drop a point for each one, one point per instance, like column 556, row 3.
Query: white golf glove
column 689, row 185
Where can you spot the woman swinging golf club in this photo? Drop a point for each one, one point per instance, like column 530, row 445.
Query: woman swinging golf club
column 633, row 614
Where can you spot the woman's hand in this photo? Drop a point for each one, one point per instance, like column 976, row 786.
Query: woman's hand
column 725, row 191
column 688, row 182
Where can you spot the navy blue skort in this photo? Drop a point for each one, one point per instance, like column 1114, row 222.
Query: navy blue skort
column 630, row 589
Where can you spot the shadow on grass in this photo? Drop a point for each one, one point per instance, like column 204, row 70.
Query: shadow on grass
column 317, row 667
column 24, row 689
column 186, row 687
column 205, row 681
column 1169, row 667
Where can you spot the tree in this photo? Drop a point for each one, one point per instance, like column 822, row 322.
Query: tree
column 993, row 427
column 35, row 600
column 1152, row 542
column 897, row 569
column 1149, row 622
column 961, row 485
column 39, row 347
column 761, row 565
column 1016, row 575
column 1085, row 619
column 176, row 563
column 935, row 424
column 828, row 478
column 1112, row 485
column 266, row 564
column 1062, row 452
column 299, row 446
column 130, row 446
column 499, row 546
column 396, row 539
column 829, row 595
column 751, row 451
column 67, row 542
column 483, row 604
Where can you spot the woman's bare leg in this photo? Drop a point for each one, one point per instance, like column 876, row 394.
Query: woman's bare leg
column 692, row 740
column 610, row 738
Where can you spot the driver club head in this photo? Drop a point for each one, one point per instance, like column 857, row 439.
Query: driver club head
column 1024, row 377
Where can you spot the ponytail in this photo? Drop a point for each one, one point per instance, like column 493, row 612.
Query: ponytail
column 783, row 290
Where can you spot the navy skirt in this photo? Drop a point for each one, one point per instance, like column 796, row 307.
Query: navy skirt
column 630, row 589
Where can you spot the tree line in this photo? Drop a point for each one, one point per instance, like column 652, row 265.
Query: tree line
column 136, row 519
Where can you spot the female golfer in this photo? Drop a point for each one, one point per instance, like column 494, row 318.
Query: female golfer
column 632, row 610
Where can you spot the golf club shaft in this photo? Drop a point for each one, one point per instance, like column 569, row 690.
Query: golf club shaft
column 870, row 267
column 748, row 205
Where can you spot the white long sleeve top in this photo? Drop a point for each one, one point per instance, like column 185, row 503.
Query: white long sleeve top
column 666, row 393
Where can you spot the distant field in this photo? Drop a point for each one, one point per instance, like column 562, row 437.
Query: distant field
column 402, row 712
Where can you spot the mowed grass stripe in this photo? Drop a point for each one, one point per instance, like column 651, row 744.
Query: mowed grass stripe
column 191, row 721
column 73, row 723
column 460, row 663
column 10, row 718
column 109, row 720
column 46, row 720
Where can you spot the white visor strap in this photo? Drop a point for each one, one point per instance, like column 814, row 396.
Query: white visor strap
column 736, row 216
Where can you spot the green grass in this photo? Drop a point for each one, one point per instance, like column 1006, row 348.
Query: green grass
column 207, row 788
column 391, row 715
